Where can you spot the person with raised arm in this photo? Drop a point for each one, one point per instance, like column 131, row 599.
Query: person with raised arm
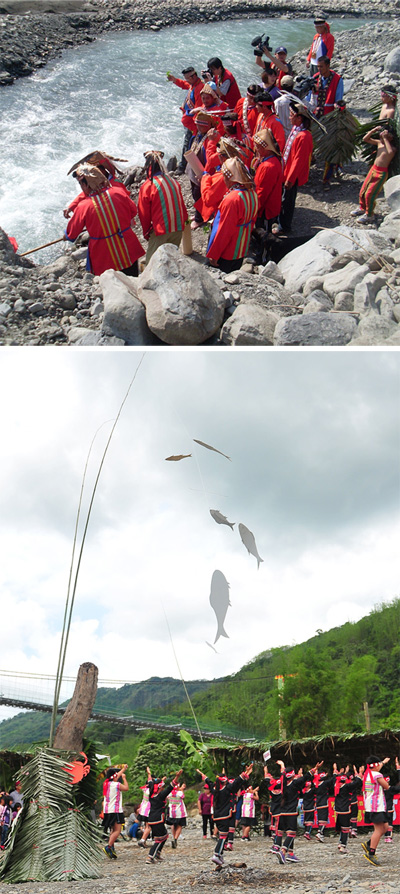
column 222, row 791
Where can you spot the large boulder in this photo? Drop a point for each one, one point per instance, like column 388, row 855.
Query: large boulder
column 392, row 61
column 374, row 330
column 184, row 305
column 345, row 279
column 365, row 292
column 390, row 228
column 250, row 324
column 316, row 329
column 124, row 315
column 315, row 257
column 392, row 192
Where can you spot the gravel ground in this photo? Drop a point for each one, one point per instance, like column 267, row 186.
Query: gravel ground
column 249, row 867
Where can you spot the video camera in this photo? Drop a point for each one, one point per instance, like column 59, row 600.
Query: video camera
column 303, row 84
column 259, row 42
column 206, row 73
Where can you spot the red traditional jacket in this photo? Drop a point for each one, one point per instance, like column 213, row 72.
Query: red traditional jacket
column 270, row 121
column 216, row 111
column 191, row 101
column 107, row 217
column 161, row 206
column 212, row 188
column 230, row 235
column 81, row 195
column 268, row 180
column 297, row 165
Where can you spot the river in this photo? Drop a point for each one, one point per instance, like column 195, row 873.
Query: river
column 111, row 95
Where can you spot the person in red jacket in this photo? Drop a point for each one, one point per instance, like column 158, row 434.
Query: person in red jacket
column 268, row 177
column 162, row 211
column 193, row 85
column 267, row 118
column 226, row 86
column 247, row 111
column 106, row 165
column 233, row 224
column 107, row 214
column 213, row 187
column 322, row 45
column 204, row 146
column 329, row 88
column 297, row 160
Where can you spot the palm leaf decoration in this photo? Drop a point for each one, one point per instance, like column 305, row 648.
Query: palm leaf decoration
column 367, row 151
column 338, row 144
column 53, row 839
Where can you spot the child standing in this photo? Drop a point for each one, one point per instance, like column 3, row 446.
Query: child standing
column 377, row 175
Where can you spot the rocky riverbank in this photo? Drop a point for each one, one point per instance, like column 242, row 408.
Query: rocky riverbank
column 34, row 31
column 249, row 868
column 350, row 295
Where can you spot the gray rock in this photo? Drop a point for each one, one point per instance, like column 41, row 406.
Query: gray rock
column 392, row 61
column 316, row 329
column 250, row 324
column 67, row 301
column 344, row 301
column 392, row 192
column 272, row 270
column 315, row 282
column 315, row 257
column 124, row 315
column 344, row 280
column 38, row 309
column 318, row 300
column 390, row 228
column 57, row 267
column 373, row 330
column 5, row 309
column 79, row 254
column 19, row 306
column 95, row 339
column 366, row 291
column 184, row 305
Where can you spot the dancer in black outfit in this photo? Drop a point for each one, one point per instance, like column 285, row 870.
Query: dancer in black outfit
column 158, row 796
column 222, row 791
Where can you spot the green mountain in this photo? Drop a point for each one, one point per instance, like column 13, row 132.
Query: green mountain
column 341, row 680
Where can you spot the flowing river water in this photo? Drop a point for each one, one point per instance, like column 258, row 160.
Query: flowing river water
column 111, row 95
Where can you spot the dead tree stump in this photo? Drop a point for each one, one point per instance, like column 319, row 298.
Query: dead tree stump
column 70, row 730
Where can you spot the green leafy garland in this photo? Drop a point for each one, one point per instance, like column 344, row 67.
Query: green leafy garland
column 52, row 838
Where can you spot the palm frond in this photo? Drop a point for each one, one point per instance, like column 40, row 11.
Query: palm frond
column 338, row 144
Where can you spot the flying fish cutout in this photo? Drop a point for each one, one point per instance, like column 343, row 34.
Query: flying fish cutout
column 248, row 539
column 219, row 601
column 175, row 459
column 221, row 519
column 208, row 447
column 212, row 647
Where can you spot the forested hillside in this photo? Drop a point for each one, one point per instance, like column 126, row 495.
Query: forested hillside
column 331, row 683
column 317, row 687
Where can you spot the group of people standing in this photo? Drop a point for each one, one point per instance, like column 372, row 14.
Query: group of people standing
column 11, row 804
column 245, row 157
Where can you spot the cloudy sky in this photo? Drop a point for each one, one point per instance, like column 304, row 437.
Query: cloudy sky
column 314, row 444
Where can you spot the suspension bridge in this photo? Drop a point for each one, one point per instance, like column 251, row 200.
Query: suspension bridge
column 34, row 692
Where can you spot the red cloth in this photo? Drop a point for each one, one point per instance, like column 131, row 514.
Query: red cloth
column 216, row 110
column 238, row 213
column 212, row 188
column 161, row 206
column 187, row 121
column 81, row 195
column 270, row 121
column 298, row 163
column 268, row 180
column 328, row 39
column 107, row 217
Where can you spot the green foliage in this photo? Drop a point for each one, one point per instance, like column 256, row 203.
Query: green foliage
column 368, row 150
column 52, row 839
column 338, row 144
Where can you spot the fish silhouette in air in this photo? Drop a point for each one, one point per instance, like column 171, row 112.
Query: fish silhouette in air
column 220, row 519
column 219, row 601
column 175, row 459
column 247, row 537
column 202, row 444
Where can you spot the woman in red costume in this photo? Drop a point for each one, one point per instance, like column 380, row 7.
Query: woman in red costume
column 107, row 214
column 231, row 231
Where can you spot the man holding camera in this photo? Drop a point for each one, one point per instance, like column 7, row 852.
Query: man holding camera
column 277, row 61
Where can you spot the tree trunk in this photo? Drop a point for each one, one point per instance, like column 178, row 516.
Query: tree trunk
column 70, row 730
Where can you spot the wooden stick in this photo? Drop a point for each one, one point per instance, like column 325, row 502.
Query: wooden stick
column 31, row 250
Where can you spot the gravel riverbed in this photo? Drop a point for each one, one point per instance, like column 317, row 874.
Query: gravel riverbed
column 249, row 867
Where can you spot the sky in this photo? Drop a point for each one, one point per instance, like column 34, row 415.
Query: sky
column 313, row 438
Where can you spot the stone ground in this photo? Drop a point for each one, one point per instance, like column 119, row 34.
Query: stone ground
column 249, row 868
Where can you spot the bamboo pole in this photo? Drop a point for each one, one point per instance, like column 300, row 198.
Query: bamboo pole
column 46, row 245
